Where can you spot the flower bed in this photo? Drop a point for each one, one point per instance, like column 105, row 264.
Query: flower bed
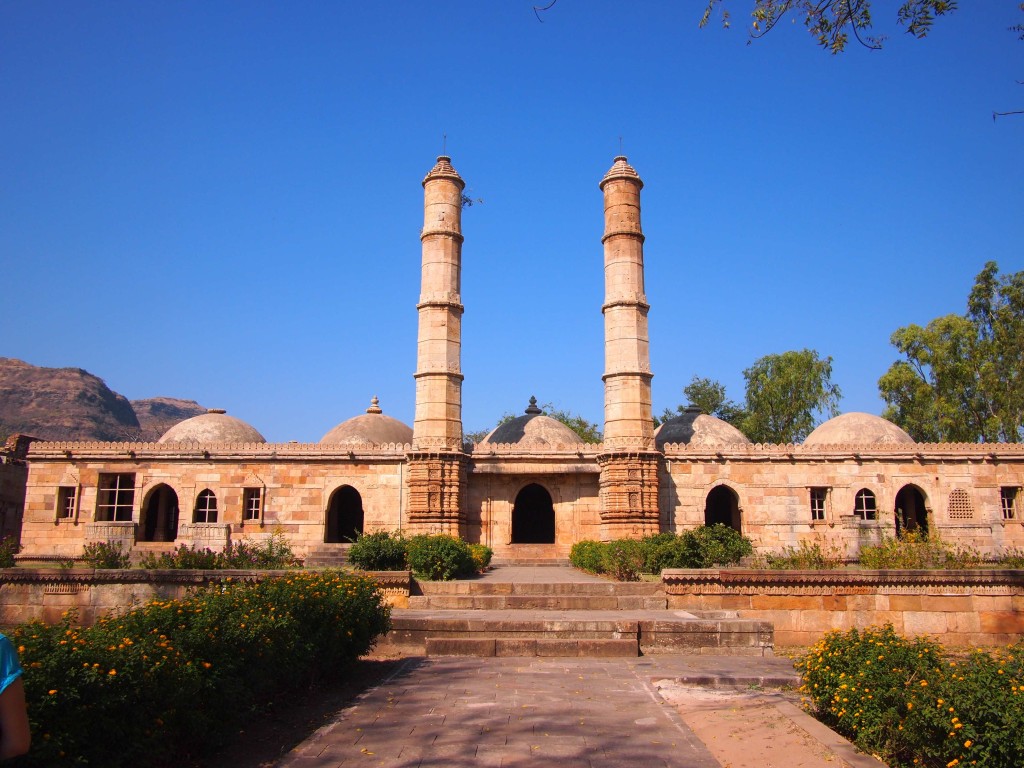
column 912, row 704
column 171, row 679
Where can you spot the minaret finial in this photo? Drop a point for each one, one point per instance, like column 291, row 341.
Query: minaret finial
column 620, row 145
column 374, row 405
column 444, row 143
column 532, row 407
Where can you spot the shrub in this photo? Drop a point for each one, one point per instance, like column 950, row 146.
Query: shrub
column 907, row 702
column 440, row 557
column 8, row 549
column 917, row 551
column 807, row 556
column 183, row 556
column 717, row 545
column 587, row 556
column 665, row 550
column 106, row 555
column 136, row 679
column 381, row 551
column 481, row 555
column 273, row 554
column 623, row 559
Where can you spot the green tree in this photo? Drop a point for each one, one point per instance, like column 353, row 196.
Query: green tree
column 589, row 431
column 708, row 395
column 787, row 394
column 833, row 22
column 962, row 376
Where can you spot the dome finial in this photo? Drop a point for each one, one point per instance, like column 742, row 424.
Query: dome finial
column 532, row 408
column 374, row 405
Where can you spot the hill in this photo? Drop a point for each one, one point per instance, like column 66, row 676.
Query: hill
column 73, row 404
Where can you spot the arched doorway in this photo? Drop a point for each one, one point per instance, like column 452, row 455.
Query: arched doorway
column 723, row 507
column 159, row 518
column 344, row 516
column 911, row 513
column 533, row 516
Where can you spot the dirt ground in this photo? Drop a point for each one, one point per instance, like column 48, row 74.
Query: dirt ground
column 760, row 729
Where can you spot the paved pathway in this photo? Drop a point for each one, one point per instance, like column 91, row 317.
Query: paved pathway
column 461, row 712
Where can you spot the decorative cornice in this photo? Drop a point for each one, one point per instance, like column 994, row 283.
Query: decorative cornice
column 740, row 578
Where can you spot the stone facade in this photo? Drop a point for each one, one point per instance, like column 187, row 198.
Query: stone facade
column 531, row 496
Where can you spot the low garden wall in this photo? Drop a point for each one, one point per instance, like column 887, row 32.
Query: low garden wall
column 45, row 594
column 968, row 608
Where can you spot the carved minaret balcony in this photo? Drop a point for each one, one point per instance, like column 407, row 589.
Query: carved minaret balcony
column 629, row 463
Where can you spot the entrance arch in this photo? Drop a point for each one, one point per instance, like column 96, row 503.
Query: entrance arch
column 911, row 513
column 723, row 507
column 159, row 518
column 533, row 516
column 344, row 516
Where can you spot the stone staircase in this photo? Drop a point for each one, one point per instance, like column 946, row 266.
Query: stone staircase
column 552, row 617
column 327, row 556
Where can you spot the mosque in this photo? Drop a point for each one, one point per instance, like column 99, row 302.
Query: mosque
column 531, row 488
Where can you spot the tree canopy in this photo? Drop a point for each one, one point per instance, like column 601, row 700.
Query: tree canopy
column 787, row 395
column 832, row 22
column 588, row 431
column 961, row 378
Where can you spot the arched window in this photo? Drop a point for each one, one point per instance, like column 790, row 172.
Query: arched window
column 206, row 508
column 865, row 507
column 911, row 512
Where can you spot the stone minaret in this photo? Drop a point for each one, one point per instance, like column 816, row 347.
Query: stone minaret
column 629, row 463
column 438, row 423
column 437, row 465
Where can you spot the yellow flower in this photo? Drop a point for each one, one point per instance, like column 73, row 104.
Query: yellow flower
column 53, row 691
column 967, row 744
column 910, row 705
column 112, row 672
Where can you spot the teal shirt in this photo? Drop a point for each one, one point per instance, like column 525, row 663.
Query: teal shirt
column 10, row 669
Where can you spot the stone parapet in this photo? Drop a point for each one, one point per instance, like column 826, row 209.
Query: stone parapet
column 959, row 608
column 219, row 451
column 46, row 594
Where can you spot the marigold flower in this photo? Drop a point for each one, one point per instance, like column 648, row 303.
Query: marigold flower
column 53, row 691
column 967, row 744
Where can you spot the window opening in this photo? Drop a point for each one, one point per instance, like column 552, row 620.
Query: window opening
column 252, row 504
column 206, row 508
column 960, row 507
column 67, row 502
column 865, row 507
column 1008, row 502
column 818, row 496
column 116, row 498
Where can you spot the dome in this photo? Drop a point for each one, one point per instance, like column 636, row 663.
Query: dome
column 370, row 428
column 857, row 429
column 533, row 429
column 694, row 427
column 214, row 426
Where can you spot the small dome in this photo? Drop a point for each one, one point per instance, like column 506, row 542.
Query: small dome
column 533, row 429
column 370, row 428
column 694, row 427
column 857, row 429
column 214, row 426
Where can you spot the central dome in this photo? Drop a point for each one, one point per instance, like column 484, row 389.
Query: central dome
column 533, row 429
column 694, row 427
column 370, row 428
column 858, row 429
column 214, row 426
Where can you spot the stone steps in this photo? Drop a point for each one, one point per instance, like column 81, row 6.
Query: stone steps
column 327, row 556
column 514, row 632
column 538, row 602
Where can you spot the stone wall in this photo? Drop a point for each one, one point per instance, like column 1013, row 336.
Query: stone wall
column 772, row 485
column 959, row 608
column 28, row 594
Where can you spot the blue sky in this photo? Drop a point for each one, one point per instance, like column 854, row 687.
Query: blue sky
column 222, row 201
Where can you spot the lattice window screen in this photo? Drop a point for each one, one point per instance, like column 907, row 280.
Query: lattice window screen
column 960, row 507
